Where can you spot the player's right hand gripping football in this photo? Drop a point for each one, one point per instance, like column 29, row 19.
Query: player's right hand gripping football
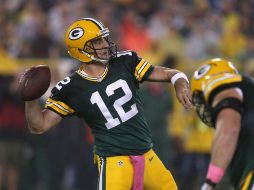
column 183, row 93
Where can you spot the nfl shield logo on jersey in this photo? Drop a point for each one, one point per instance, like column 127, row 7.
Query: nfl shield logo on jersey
column 120, row 163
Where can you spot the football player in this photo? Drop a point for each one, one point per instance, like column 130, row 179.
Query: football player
column 224, row 100
column 104, row 92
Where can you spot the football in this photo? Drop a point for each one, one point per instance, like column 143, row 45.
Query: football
column 34, row 82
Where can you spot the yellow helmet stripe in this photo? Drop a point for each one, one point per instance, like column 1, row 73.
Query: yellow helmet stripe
column 220, row 80
column 215, row 82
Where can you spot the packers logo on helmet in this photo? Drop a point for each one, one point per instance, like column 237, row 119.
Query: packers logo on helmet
column 202, row 71
column 76, row 33
column 81, row 36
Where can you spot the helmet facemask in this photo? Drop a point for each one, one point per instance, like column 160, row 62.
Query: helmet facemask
column 203, row 110
column 91, row 51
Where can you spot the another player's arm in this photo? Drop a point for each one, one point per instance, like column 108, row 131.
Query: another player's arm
column 183, row 92
column 39, row 120
column 228, row 125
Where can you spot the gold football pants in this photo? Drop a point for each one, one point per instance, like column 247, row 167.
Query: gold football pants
column 116, row 173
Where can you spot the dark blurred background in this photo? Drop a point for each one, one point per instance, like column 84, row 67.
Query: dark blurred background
column 173, row 33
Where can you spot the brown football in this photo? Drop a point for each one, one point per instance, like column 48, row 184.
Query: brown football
column 34, row 82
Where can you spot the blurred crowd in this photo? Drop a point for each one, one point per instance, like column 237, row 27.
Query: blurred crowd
column 173, row 33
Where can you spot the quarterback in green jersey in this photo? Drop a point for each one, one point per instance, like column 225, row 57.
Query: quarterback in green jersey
column 104, row 91
column 224, row 100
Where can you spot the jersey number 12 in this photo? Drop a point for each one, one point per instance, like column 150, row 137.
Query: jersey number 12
column 110, row 90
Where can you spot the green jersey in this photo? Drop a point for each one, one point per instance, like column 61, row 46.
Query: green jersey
column 243, row 159
column 110, row 105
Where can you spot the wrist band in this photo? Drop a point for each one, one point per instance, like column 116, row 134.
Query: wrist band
column 215, row 173
column 178, row 76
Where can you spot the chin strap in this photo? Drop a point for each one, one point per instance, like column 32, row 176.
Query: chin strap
column 103, row 61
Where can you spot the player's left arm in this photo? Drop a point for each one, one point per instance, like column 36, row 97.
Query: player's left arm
column 228, row 126
column 176, row 77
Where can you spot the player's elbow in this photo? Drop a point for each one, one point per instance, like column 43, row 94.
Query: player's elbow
column 36, row 130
